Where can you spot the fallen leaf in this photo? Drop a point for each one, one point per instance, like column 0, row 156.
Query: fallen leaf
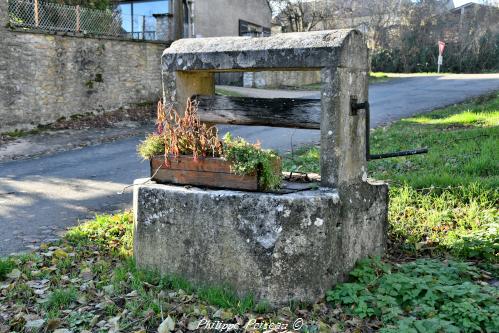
column 34, row 325
column 109, row 289
column 62, row 330
column 52, row 324
column 94, row 320
column 82, row 300
column 167, row 326
column 114, row 322
column 60, row 253
column 193, row 325
column 86, row 274
column 14, row 274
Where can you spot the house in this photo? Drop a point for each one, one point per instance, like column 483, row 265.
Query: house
column 471, row 13
column 158, row 19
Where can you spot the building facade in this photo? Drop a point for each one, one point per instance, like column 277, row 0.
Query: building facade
column 200, row 18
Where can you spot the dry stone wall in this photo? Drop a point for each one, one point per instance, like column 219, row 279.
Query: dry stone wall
column 45, row 77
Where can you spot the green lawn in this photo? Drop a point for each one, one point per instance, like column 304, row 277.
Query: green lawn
column 445, row 200
column 225, row 92
column 374, row 77
column 442, row 205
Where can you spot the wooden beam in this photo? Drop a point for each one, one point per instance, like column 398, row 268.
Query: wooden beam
column 274, row 112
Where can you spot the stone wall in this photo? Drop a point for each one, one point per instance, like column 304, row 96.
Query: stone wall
column 277, row 79
column 46, row 77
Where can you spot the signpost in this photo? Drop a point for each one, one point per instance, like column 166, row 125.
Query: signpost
column 441, row 47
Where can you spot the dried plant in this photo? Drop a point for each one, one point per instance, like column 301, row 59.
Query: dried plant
column 186, row 135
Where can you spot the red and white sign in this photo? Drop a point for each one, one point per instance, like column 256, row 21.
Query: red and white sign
column 441, row 47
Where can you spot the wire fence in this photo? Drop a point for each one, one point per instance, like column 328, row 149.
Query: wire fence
column 46, row 16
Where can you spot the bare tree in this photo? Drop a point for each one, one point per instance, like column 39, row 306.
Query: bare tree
column 301, row 15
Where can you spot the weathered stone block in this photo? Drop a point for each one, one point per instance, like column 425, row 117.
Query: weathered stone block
column 279, row 247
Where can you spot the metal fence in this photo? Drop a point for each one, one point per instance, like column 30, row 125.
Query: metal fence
column 47, row 16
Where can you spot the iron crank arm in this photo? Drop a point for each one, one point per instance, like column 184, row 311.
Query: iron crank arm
column 355, row 107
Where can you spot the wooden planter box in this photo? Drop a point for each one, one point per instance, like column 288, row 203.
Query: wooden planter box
column 209, row 172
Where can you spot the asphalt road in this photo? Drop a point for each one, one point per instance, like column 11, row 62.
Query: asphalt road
column 40, row 197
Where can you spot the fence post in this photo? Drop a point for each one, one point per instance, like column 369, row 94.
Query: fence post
column 77, row 18
column 143, row 27
column 37, row 20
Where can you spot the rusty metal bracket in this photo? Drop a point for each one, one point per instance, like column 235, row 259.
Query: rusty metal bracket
column 354, row 110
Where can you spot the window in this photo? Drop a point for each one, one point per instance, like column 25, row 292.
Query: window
column 253, row 30
column 137, row 17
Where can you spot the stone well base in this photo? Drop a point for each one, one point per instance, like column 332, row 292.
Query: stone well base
column 279, row 247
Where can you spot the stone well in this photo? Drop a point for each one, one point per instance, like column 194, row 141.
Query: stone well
column 279, row 247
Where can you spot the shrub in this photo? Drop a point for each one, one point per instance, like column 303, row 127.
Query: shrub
column 249, row 158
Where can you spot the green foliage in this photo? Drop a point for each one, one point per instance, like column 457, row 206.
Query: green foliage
column 6, row 265
column 410, row 59
column 420, row 296
column 112, row 233
column 61, row 298
column 225, row 92
column 247, row 159
column 304, row 159
column 471, row 41
column 446, row 199
column 153, row 145
column 94, row 4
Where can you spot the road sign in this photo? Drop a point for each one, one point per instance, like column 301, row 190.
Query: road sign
column 441, row 48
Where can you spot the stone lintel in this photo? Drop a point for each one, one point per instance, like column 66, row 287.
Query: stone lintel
column 290, row 51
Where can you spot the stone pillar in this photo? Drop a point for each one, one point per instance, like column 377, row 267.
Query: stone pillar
column 343, row 133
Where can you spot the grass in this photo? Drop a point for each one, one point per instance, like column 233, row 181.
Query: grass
column 90, row 275
column 6, row 267
column 374, row 77
column 23, row 133
column 378, row 77
column 225, row 92
column 61, row 298
column 102, row 281
column 445, row 200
